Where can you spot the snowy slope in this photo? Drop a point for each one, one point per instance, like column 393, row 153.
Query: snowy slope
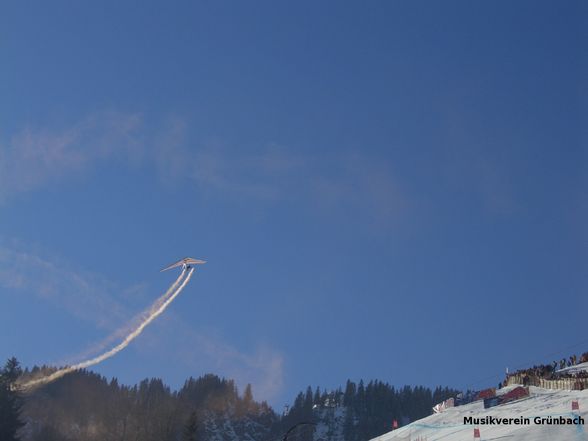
column 449, row 425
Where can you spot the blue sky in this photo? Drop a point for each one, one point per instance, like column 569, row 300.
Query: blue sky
column 391, row 190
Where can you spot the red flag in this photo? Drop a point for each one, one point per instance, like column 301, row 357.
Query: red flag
column 395, row 424
column 476, row 433
column 575, row 405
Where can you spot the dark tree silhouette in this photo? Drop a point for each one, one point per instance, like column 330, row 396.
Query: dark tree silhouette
column 10, row 403
column 191, row 428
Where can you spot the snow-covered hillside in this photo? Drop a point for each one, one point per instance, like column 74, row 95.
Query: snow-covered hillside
column 542, row 403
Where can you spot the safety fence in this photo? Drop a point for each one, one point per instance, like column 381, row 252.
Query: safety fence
column 559, row 383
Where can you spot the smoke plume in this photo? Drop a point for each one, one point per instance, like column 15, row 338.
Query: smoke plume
column 151, row 314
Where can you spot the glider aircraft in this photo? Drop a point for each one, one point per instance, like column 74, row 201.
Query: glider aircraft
column 185, row 263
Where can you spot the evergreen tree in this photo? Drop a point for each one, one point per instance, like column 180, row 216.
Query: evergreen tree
column 191, row 428
column 308, row 397
column 317, row 397
column 349, row 430
column 10, row 403
column 248, row 397
column 360, row 399
column 350, row 390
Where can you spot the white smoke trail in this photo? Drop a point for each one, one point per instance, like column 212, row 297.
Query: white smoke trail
column 143, row 316
column 157, row 309
column 164, row 297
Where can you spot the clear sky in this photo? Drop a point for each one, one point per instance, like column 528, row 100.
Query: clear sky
column 389, row 189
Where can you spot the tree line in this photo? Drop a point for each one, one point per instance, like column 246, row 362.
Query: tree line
column 84, row 406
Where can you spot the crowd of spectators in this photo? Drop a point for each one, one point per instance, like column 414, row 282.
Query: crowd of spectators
column 549, row 371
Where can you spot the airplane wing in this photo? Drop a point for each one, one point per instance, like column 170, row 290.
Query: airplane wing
column 173, row 265
column 190, row 261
